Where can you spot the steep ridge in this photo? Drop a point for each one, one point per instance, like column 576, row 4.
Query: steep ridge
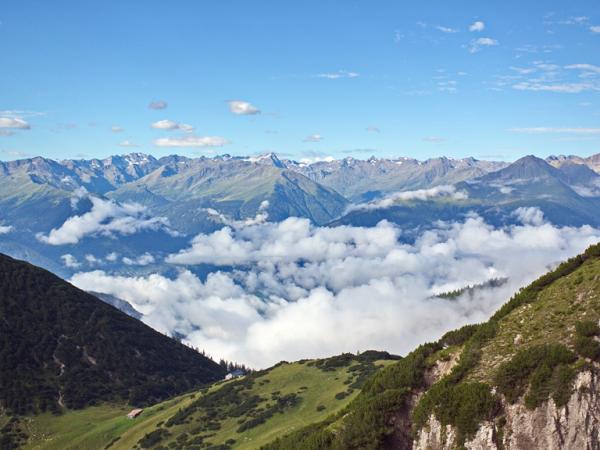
column 62, row 347
column 526, row 379
column 567, row 196
column 592, row 162
column 237, row 187
column 363, row 180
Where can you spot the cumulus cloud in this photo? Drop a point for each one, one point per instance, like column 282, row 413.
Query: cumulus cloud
column 14, row 123
column 313, row 138
column 293, row 290
column 192, row 141
column 595, row 29
column 243, row 108
column 530, row 215
column 116, row 129
column 158, row 104
column 106, row 218
column 4, row 229
column 142, row 260
column 477, row 44
column 112, row 257
column 70, row 261
column 170, row 125
column 92, row 260
column 418, row 195
column 477, row 26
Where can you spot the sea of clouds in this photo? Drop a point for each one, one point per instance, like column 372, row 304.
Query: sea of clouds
column 292, row 290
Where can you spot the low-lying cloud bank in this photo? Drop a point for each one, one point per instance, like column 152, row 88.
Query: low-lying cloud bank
column 106, row 218
column 422, row 195
column 295, row 290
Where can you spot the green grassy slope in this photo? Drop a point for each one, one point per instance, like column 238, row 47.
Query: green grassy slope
column 297, row 394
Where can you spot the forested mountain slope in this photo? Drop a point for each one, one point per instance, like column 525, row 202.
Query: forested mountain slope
column 62, row 347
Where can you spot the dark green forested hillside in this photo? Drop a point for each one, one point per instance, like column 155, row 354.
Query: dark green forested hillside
column 60, row 346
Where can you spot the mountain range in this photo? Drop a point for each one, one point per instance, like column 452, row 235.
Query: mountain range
column 175, row 197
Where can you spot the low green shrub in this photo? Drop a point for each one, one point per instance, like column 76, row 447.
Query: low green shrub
column 534, row 367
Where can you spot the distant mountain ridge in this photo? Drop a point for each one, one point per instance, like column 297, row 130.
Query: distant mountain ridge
column 204, row 194
column 361, row 180
column 593, row 162
column 567, row 195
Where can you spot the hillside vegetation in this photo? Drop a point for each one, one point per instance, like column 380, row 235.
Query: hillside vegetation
column 61, row 347
column 531, row 349
column 243, row 413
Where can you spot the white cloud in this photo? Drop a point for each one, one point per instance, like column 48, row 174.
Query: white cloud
column 313, row 138
column 127, row 143
column 4, row 229
column 588, row 70
column 170, row 125
column 407, row 196
column 112, row 257
column 92, row 260
column 116, row 129
column 561, row 88
column 243, row 108
column 595, row 29
column 158, row 104
column 142, row 260
column 337, row 75
column 106, row 218
column 165, row 125
column 446, row 29
column 530, row 216
column 261, row 216
column 70, row 261
column 477, row 44
column 477, row 26
column 192, row 141
column 373, row 129
column 591, row 190
column 14, row 123
column 297, row 291
column 564, row 130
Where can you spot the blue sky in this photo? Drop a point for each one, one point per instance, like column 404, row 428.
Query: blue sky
column 494, row 80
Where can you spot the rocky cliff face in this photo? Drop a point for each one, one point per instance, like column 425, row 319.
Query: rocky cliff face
column 575, row 426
